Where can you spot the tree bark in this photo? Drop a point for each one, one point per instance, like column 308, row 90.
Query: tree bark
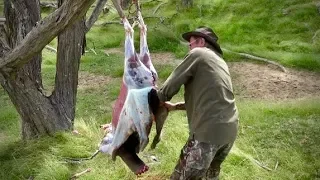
column 44, row 32
column 118, row 8
column 52, row 5
column 4, row 47
column 70, row 48
column 23, row 87
column 41, row 114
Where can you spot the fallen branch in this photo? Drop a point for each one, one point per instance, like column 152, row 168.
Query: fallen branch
column 261, row 165
column 237, row 151
column 79, row 160
column 93, row 51
column 52, row 49
column 158, row 7
column 249, row 56
column 315, row 35
column 75, row 176
column 276, row 166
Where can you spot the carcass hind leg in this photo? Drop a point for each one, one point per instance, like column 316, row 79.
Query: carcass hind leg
column 128, row 28
column 127, row 153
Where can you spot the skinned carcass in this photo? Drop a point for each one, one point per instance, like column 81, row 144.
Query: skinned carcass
column 135, row 106
column 140, row 75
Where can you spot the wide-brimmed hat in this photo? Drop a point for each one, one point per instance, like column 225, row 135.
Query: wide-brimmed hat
column 207, row 33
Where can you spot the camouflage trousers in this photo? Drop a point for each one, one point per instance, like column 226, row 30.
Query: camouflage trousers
column 199, row 160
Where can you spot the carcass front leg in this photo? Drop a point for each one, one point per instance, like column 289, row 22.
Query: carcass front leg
column 160, row 117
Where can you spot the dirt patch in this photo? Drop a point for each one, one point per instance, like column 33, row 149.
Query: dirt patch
column 89, row 80
column 250, row 80
column 261, row 81
column 164, row 58
column 114, row 51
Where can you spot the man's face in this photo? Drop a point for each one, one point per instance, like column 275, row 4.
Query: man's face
column 196, row 42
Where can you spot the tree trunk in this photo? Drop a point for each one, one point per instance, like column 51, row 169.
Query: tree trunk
column 40, row 114
column 23, row 87
column 70, row 48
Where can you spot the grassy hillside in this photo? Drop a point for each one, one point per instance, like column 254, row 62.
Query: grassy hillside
column 285, row 31
column 282, row 136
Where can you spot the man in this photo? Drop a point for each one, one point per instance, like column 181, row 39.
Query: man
column 210, row 105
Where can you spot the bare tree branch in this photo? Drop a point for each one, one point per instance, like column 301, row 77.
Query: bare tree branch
column 52, row 5
column 95, row 14
column 118, row 8
column 44, row 32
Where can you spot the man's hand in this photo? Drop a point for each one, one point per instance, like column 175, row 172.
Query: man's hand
column 170, row 106
column 173, row 106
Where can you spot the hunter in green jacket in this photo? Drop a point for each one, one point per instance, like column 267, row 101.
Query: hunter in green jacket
column 210, row 105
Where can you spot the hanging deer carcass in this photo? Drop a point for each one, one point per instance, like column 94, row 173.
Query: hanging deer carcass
column 137, row 105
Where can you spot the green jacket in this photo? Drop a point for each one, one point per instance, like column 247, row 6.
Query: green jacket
column 209, row 100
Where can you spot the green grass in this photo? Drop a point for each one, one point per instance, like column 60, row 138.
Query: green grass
column 256, row 27
column 111, row 65
column 284, row 31
column 284, row 133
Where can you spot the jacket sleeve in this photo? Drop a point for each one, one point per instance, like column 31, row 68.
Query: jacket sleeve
column 181, row 74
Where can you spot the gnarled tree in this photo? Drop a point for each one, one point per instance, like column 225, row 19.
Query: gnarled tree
column 21, row 42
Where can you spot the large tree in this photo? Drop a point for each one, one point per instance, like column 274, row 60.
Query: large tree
column 22, row 39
